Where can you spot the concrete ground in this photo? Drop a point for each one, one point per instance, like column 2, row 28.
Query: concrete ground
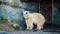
column 32, row 32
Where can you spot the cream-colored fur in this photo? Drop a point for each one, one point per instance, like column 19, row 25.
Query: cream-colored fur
column 35, row 18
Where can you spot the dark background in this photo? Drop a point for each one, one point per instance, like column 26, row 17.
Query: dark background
column 45, row 8
column 51, row 10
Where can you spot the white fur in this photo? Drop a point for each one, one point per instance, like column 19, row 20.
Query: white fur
column 33, row 18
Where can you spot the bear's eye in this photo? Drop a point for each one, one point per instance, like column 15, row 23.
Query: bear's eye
column 26, row 13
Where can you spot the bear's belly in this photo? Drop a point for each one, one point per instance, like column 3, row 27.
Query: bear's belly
column 34, row 20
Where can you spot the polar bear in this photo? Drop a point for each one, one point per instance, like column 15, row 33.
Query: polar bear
column 36, row 18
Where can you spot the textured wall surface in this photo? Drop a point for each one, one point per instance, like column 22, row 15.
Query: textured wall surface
column 10, row 11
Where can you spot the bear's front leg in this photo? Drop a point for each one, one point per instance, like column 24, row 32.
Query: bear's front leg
column 29, row 24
